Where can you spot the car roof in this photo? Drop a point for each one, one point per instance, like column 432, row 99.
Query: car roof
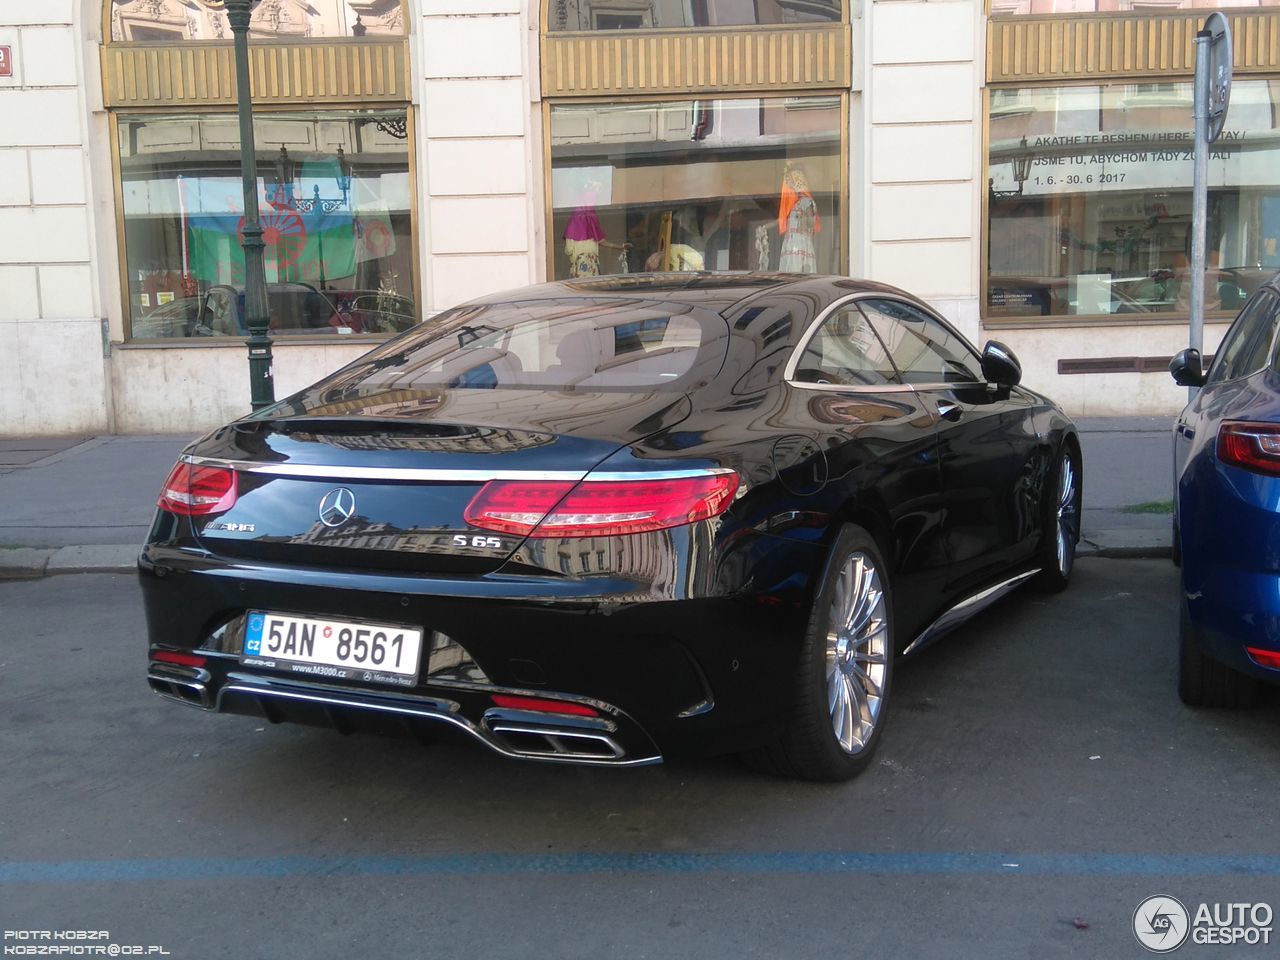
column 719, row 290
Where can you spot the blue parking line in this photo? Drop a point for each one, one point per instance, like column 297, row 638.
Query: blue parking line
column 573, row 864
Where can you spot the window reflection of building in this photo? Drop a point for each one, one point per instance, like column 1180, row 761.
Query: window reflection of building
column 1023, row 7
column 169, row 21
column 676, row 14
column 465, row 440
column 645, row 557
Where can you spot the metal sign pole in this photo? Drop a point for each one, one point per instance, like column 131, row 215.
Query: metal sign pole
column 1199, row 196
column 1212, row 97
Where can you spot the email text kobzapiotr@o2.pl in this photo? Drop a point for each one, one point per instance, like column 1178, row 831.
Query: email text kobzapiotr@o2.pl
column 73, row 943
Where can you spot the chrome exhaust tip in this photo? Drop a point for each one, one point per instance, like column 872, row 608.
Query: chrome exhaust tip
column 539, row 742
column 181, row 689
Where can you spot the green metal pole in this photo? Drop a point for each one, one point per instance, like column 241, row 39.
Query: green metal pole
column 257, row 314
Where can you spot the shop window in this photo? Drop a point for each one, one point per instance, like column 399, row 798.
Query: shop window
column 695, row 14
column 334, row 193
column 746, row 184
column 1090, row 201
column 172, row 21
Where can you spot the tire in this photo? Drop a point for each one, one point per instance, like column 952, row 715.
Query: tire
column 1061, row 522
column 1204, row 681
column 837, row 718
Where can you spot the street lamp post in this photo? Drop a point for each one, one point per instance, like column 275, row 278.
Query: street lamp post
column 257, row 315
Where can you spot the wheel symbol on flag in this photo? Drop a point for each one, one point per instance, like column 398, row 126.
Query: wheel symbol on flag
column 377, row 238
column 284, row 234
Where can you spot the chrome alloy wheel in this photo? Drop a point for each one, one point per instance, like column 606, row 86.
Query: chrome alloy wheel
column 1068, row 531
column 857, row 653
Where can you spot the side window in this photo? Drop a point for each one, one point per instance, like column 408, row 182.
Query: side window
column 845, row 351
column 921, row 347
column 1246, row 347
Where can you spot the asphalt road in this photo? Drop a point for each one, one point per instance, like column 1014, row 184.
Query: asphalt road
column 1037, row 781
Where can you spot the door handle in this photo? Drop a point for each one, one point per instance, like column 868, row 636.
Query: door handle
column 949, row 411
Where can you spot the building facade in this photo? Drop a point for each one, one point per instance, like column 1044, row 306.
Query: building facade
column 1024, row 165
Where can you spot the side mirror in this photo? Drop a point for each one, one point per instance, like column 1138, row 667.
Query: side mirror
column 999, row 365
column 1187, row 368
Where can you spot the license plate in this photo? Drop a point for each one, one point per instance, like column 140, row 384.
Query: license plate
column 332, row 649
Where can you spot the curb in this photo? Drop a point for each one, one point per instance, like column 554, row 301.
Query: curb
column 1123, row 552
column 27, row 563
column 1127, row 544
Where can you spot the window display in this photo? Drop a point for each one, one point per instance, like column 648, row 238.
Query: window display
column 334, row 194
column 1089, row 200
column 746, row 184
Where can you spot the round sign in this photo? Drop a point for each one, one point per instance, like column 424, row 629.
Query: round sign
column 1220, row 63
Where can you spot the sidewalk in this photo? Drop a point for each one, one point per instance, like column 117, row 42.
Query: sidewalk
column 71, row 505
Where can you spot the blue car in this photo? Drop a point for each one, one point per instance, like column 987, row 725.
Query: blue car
column 1226, row 534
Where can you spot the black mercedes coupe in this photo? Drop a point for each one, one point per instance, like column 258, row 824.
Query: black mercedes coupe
column 610, row 521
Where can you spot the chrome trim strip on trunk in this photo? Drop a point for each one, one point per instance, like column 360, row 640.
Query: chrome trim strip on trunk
column 966, row 608
column 425, row 713
column 309, row 471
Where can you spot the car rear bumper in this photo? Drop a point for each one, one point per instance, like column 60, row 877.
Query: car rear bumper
column 611, row 739
column 1235, row 611
column 666, row 677
column 1230, row 543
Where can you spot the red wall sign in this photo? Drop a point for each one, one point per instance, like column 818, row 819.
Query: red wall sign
column 6, row 61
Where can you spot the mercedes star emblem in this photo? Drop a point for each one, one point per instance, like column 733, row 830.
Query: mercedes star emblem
column 337, row 507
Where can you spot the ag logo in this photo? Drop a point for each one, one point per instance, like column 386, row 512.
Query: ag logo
column 337, row 507
column 1161, row 924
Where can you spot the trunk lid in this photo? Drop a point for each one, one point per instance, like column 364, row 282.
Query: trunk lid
column 381, row 480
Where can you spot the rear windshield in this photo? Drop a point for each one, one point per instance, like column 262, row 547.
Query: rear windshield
column 623, row 345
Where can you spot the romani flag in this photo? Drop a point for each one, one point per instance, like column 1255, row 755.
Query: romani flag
column 297, row 245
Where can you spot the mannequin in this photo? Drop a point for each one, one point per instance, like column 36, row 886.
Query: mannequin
column 584, row 236
column 798, row 221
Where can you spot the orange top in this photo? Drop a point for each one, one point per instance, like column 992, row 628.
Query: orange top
column 790, row 197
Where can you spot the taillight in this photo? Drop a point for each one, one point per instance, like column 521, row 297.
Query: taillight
column 1264, row 658
column 182, row 659
column 1251, row 446
column 543, row 705
column 599, row 508
column 194, row 490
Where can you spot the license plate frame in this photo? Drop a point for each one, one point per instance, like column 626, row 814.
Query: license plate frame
column 293, row 648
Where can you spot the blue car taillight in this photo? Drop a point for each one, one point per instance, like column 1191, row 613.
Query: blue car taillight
column 1264, row 658
column 1251, row 446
